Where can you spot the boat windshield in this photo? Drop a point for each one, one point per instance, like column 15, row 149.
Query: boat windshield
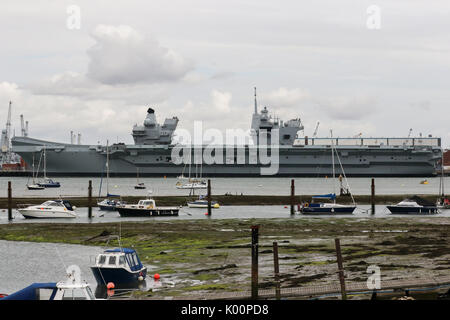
column 52, row 204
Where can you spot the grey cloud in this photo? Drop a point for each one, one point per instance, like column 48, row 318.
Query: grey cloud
column 122, row 55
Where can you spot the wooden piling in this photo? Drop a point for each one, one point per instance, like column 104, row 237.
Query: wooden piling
column 10, row 217
column 209, row 197
column 292, row 196
column 372, row 198
column 255, row 234
column 276, row 271
column 340, row 268
column 90, row 199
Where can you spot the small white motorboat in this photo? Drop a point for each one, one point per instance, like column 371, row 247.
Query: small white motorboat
column 201, row 202
column 193, row 184
column 35, row 186
column 48, row 209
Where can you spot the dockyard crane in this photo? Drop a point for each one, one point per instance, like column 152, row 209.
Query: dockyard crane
column 315, row 130
column 22, row 126
column 6, row 150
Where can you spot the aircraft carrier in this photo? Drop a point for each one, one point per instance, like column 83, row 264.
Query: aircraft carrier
column 152, row 153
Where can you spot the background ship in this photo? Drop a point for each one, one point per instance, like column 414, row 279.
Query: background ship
column 151, row 153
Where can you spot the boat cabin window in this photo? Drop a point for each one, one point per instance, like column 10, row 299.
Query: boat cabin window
column 121, row 260
column 101, row 259
column 44, row 293
column 74, row 294
column 112, row 260
column 52, row 203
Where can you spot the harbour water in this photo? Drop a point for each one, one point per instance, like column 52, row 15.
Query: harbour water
column 78, row 186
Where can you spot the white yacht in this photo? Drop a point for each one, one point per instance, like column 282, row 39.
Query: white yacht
column 49, row 209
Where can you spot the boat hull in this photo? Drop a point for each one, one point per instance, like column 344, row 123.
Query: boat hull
column 117, row 275
column 135, row 212
column 412, row 210
column 214, row 205
column 327, row 211
column 44, row 214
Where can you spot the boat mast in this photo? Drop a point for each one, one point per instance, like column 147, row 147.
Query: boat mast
column 137, row 175
column 107, row 167
column 32, row 173
column 45, row 164
column 441, row 185
column 332, row 161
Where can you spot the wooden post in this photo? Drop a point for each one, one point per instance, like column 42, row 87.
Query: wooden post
column 372, row 198
column 255, row 230
column 9, row 201
column 276, row 271
column 90, row 199
column 340, row 268
column 292, row 196
column 209, row 197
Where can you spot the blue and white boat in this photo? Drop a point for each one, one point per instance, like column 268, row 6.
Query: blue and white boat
column 326, row 208
column 201, row 202
column 47, row 182
column 73, row 288
column 111, row 201
column 119, row 266
column 413, row 205
column 329, row 208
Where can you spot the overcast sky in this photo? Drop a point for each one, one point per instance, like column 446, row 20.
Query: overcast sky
column 323, row 61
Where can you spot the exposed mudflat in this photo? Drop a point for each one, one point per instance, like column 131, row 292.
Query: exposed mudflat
column 198, row 257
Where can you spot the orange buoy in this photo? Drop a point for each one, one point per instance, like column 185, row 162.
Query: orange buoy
column 156, row 276
column 110, row 285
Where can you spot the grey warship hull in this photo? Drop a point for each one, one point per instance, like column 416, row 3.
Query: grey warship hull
column 309, row 159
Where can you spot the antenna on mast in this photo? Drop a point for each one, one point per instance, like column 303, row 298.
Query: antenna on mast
column 256, row 104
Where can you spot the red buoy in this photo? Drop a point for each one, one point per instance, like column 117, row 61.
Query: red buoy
column 156, row 276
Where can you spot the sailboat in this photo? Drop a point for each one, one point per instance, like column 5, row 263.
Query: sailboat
column 34, row 185
column 326, row 208
column 48, row 183
column 111, row 202
column 139, row 185
column 193, row 183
